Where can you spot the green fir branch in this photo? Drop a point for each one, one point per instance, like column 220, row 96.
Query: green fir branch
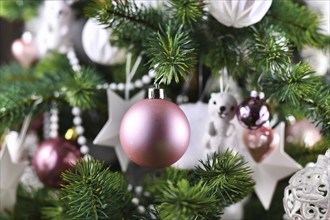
column 187, row 11
column 300, row 24
column 317, row 108
column 228, row 175
column 19, row 9
column 80, row 89
column 130, row 24
column 291, row 85
column 30, row 201
column 172, row 54
column 222, row 47
column 182, row 200
column 303, row 154
column 93, row 192
column 51, row 79
column 270, row 51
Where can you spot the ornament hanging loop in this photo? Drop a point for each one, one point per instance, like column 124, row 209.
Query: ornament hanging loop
column 224, row 77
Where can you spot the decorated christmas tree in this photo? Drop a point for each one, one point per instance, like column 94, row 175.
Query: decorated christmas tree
column 165, row 109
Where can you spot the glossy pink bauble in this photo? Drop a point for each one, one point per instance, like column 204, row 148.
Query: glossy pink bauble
column 155, row 133
column 260, row 142
column 52, row 158
column 25, row 52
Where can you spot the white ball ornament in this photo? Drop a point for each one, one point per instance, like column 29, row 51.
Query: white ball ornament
column 307, row 195
column 96, row 44
column 237, row 13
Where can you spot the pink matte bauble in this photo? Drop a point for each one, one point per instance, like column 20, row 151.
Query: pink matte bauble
column 260, row 142
column 155, row 133
column 52, row 158
column 25, row 52
column 303, row 132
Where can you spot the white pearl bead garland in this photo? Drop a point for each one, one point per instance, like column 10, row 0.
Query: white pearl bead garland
column 76, row 112
column 139, row 83
column 138, row 190
column 82, row 140
column 53, row 123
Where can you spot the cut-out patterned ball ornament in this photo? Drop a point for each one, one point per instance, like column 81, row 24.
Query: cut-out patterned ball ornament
column 52, row 158
column 308, row 194
column 238, row 14
column 253, row 112
column 154, row 132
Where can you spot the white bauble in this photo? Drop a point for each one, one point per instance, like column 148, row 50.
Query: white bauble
column 322, row 7
column 238, row 13
column 96, row 43
column 308, row 194
column 317, row 58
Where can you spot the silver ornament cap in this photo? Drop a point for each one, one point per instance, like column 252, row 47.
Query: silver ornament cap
column 156, row 93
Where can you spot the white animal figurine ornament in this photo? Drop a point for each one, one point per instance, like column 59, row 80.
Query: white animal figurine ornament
column 56, row 21
column 221, row 132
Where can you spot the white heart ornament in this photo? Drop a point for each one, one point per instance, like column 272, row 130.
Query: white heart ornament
column 238, row 13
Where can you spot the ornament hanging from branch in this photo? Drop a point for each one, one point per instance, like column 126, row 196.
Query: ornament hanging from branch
column 96, row 43
column 303, row 132
column 56, row 22
column 260, row 142
column 222, row 108
column 25, row 50
column 238, row 14
column 54, row 156
column 220, row 134
column 155, row 133
column 308, row 194
column 253, row 112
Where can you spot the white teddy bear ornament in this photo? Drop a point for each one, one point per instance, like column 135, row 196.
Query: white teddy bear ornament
column 220, row 134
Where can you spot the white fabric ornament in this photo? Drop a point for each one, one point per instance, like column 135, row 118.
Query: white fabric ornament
column 195, row 113
column 54, row 33
column 307, row 195
column 238, row 13
column 96, row 44
column 220, row 132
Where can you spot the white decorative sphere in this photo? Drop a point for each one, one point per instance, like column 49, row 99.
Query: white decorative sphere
column 96, row 44
column 238, row 14
column 307, row 195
